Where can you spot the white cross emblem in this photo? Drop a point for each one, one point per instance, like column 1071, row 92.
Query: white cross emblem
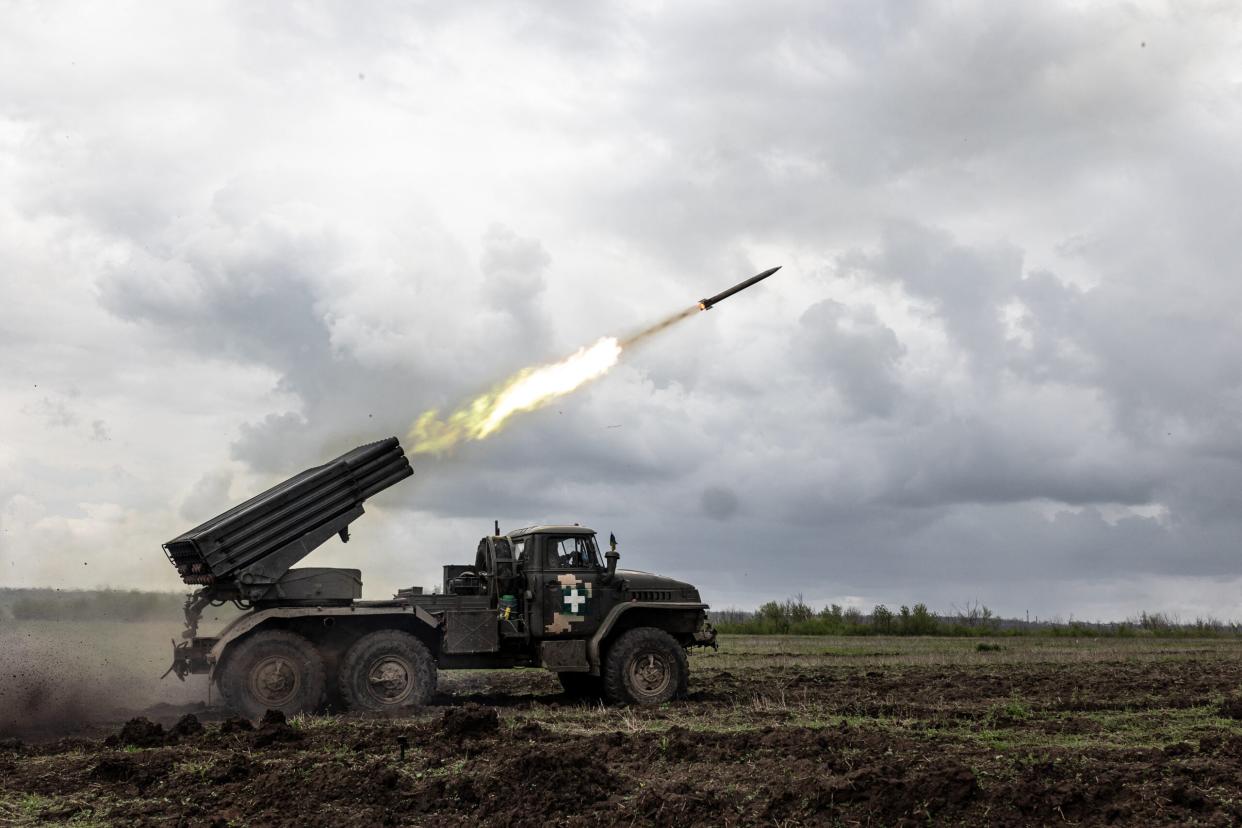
column 574, row 599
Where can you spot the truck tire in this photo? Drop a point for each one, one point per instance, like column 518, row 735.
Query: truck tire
column 581, row 685
column 645, row 666
column 273, row 670
column 387, row 670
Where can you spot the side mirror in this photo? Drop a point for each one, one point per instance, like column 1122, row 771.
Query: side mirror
column 612, row 556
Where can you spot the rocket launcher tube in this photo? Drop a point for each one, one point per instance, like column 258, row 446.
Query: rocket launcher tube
column 261, row 538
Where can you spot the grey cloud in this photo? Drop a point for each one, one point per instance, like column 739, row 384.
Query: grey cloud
column 1000, row 361
column 513, row 276
column 207, row 497
column 274, row 445
column 967, row 286
column 719, row 502
column 982, row 461
column 55, row 413
column 855, row 352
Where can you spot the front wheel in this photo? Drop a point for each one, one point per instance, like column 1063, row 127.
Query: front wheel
column 645, row 666
column 273, row 670
column 387, row 670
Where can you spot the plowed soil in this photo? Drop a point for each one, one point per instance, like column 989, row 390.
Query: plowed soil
column 776, row 731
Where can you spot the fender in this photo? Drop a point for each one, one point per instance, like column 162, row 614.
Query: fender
column 247, row 623
column 611, row 619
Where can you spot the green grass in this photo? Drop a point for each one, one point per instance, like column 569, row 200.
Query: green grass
column 814, row 650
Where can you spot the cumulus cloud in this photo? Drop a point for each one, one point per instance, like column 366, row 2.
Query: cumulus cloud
column 999, row 362
column 854, row 352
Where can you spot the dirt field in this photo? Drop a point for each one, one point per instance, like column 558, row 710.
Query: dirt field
column 780, row 731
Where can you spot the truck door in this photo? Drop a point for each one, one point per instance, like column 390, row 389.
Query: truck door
column 568, row 588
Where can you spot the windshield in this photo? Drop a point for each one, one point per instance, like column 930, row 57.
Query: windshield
column 573, row 552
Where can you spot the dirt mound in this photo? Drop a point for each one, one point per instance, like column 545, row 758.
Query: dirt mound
column 186, row 727
column 675, row 803
column 1059, row 787
column 526, row 790
column 273, row 718
column 138, row 732
column 235, row 724
column 560, row 779
column 124, row 770
column 1231, row 707
column 470, row 720
column 892, row 791
column 949, row 786
column 529, row 730
column 113, row 769
column 236, row 768
column 274, row 729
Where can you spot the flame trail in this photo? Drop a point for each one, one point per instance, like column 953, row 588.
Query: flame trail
column 527, row 390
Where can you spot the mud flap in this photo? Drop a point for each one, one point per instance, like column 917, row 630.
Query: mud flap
column 705, row 636
column 565, row 656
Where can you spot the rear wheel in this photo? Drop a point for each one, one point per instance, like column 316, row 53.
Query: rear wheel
column 645, row 666
column 273, row 670
column 387, row 670
column 581, row 685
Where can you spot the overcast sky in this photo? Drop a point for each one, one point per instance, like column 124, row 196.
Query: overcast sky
column 1001, row 363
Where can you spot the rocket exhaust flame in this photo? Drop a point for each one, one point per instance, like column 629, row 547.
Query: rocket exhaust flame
column 526, row 390
column 535, row 387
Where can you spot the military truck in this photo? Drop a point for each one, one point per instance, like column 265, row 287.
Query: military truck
column 541, row 596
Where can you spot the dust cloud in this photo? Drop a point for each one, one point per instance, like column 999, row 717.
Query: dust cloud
column 62, row 678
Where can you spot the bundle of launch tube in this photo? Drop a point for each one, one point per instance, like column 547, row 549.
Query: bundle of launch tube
column 286, row 513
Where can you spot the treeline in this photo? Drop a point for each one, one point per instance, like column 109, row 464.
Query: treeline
column 89, row 605
column 794, row 617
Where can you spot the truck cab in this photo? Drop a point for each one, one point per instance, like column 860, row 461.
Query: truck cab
column 555, row 602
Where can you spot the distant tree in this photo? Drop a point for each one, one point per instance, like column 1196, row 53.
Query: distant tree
column 832, row 612
column 919, row 621
column 976, row 615
column 797, row 611
column 1157, row 622
column 882, row 619
column 772, row 618
column 730, row 616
